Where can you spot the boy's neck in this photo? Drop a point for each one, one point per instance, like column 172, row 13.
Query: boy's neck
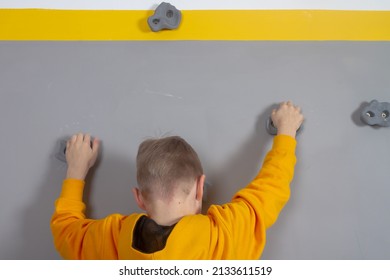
column 166, row 221
column 167, row 214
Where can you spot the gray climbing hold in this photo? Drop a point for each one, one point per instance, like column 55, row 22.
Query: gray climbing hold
column 165, row 16
column 376, row 113
column 61, row 150
column 271, row 128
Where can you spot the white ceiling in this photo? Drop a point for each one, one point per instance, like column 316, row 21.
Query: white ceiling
column 201, row 4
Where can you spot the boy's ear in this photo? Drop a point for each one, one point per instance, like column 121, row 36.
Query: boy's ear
column 199, row 187
column 138, row 198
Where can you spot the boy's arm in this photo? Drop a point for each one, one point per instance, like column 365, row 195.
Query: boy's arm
column 274, row 178
column 256, row 207
column 269, row 191
column 76, row 237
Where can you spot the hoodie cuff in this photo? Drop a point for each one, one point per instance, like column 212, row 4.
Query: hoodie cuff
column 284, row 142
column 73, row 189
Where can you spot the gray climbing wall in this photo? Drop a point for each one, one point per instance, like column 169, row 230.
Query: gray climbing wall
column 217, row 95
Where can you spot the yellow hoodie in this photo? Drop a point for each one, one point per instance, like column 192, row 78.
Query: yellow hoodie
column 236, row 230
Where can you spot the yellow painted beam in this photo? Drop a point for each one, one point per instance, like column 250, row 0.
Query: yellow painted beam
column 299, row 25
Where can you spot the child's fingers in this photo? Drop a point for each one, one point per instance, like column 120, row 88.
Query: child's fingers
column 95, row 146
column 73, row 139
column 87, row 139
column 80, row 137
column 284, row 103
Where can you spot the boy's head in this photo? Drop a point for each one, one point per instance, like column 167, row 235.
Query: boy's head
column 167, row 167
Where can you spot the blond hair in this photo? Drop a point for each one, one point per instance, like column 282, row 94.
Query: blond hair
column 166, row 165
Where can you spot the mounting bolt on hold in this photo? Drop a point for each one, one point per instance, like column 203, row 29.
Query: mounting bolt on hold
column 376, row 114
column 165, row 16
column 271, row 128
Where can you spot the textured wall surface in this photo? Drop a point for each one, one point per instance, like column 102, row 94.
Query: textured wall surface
column 217, row 95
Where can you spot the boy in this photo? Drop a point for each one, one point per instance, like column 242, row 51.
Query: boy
column 170, row 189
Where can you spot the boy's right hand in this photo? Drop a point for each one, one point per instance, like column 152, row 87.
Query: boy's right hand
column 287, row 118
column 80, row 156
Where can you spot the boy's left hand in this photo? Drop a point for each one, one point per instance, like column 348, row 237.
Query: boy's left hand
column 80, row 156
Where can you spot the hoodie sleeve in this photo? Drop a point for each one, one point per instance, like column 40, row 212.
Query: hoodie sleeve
column 75, row 236
column 242, row 223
